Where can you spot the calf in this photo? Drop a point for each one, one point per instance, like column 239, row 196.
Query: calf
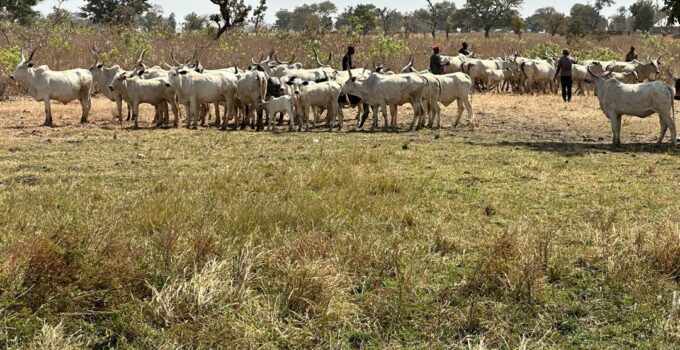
column 285, row 106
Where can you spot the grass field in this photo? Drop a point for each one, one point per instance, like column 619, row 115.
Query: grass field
column 529, row 232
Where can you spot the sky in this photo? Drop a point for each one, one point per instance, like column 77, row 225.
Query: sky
column 183, row 7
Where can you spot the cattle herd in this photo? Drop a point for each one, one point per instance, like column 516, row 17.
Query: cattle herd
column 271, row 89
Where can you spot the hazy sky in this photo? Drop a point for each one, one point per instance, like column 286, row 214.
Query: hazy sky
column 182, row 7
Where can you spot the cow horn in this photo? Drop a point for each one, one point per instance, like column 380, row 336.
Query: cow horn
column 235, row 70
column 23, row 57
column 172, row 55
column 30, row 57
column 141, row 55
column 277, row 60
column 252, row 59
column 330, row 57
column 165, row 63
column 316, row 57
column 591, row 72
column 375, row 66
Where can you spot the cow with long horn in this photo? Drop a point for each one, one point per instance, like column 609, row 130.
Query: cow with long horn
column 45, row 85
column 102, row 75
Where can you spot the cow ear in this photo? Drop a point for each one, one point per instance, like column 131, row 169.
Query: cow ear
column 100, row 66
column 354, row 79
column 183, row 72
column 290, row 83
column 305, row 83
column 141, row 72
column 30, row 65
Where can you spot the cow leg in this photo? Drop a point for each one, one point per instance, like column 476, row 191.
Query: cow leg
column 260, row 113
column 386, row 123
column 194, row 110
column 175, row 112
column 135, row 114
column 616, row 129
column 471, row 115
column 48, row 112
column 341, row 116
column 85, row 103
column 218, row 119
column 119, row 109
column 415, row 124
column 664, row 128
column 394, row 112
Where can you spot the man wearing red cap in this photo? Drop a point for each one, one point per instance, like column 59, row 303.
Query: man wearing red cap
column 436, row 63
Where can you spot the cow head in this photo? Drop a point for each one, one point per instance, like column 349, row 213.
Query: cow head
column 274, row 87
column 97, row 65
column 118, row 80
column 409, row 66
column 297, row 85
column 21, row 70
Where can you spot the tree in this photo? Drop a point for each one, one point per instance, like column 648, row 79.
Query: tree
column 489, row 13
column 585, row 18
column 233, row 13
column 114, row 11
column 440, row 16
column 258, row 14
column 193, row 21
column 154, row 20
column 672, row 10
column 619, row 22
column 389, row 19
column 307, row 17
column 644, row 13
column 550, row 20
column 602, row 4
column 518, row 25
column 18, row 11
column 361, row 18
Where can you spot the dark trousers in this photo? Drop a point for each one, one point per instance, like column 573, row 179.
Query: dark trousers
column 566, row 88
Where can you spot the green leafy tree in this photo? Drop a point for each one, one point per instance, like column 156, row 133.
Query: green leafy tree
column 551, row 19
column 259, row 13
column 233, row 13
column 487, row 14
column 644, row 13
column 18, row 11
column 314, row 17
column 518, row 25
column 583, row 19
column 619, row 22
column 361, row 18
column 123, row 12
column 672, row 10
column 194, row 21
column 390, row 20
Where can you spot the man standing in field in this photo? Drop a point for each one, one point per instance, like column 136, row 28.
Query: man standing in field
column 632, row 55
column 436, row 63
column 564, row 66
column 347, row 59
column 464, row 50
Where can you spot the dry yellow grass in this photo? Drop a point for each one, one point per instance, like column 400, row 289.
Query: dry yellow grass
column 528, row 232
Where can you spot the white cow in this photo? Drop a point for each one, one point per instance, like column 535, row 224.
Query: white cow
column 196, row 89
column 538, row 71
column 380, row 91
column 285, row 105
column 251, row 90
column 102, row 77
column 136, row 91
column 639, row 100
column 317, row 96
column 496, row 77
column 64, row 86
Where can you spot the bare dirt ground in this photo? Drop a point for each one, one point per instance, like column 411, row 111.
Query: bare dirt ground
column 539, row 119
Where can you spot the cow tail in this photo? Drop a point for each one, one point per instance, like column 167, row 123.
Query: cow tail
column 671, row 90
column 521, row 68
